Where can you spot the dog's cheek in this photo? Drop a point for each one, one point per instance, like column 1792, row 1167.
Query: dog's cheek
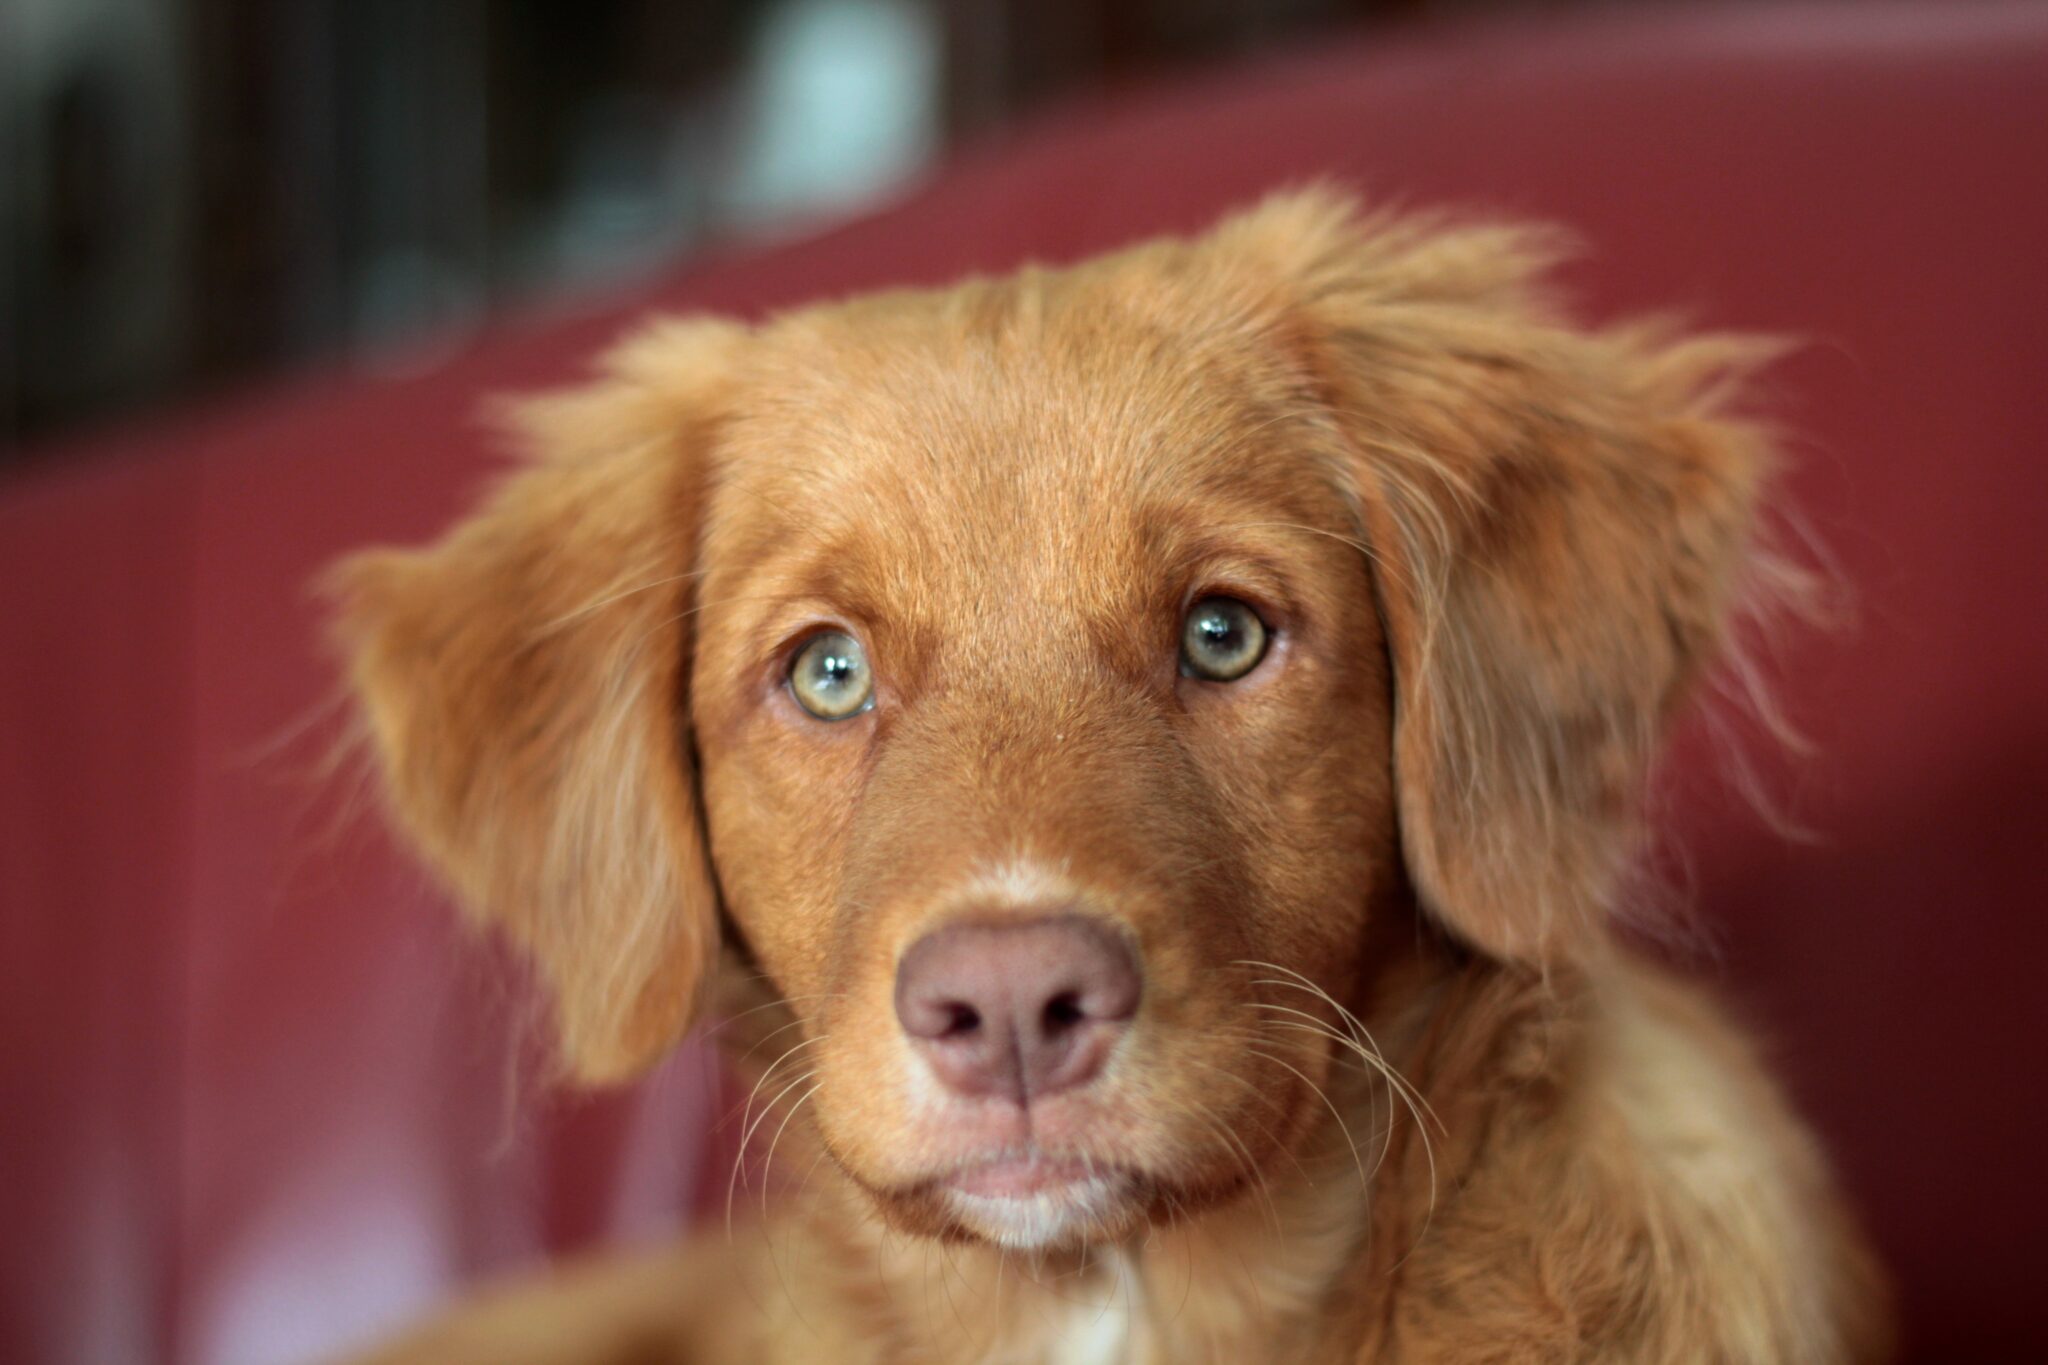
column 1311, row 798
column 872, row 1104
column 783, row 808
column 777, row 812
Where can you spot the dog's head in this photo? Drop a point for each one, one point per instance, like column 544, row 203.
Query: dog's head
column 1048, row 681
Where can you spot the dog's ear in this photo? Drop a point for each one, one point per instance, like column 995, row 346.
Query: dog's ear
column 1559, row 521
column 524, row 684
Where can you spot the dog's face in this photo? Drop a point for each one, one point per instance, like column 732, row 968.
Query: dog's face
column 1051, row 680
column 1042, row 708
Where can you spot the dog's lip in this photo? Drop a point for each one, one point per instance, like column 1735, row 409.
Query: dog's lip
column 1024, row 1175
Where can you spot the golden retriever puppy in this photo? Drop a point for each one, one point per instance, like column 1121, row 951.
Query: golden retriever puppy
column 1146, row 754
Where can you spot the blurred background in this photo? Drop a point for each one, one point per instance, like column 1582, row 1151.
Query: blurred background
column 260, row 260
column 200, row 191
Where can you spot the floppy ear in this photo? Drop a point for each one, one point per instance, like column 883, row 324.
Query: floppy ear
column 1559, row 520
column 524, row 684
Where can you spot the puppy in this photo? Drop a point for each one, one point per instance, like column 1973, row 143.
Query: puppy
column 1145, row 753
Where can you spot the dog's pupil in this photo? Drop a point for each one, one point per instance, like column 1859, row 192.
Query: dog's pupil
column 1218, row 633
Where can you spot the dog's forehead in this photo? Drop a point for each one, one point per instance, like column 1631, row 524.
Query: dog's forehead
column 1057, row 441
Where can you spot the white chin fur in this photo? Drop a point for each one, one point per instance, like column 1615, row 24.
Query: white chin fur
column 1037, row 1222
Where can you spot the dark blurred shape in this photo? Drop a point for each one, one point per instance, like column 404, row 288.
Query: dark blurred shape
column 94, row 205
column 199, row 190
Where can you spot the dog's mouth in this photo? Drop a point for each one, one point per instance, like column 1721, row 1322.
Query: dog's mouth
column 1078, row 1168
column 1029, row 1198
column 1024, row 1174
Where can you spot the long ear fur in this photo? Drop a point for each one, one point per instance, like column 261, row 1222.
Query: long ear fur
column 1560, row 520
column 523, row 681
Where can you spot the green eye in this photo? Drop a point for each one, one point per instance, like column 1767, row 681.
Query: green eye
column 1222, row 640
column 829, row 677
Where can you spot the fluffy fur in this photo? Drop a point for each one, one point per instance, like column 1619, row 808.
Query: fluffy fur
column 1396, row 1092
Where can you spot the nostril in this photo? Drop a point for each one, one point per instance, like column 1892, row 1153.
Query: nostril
column 1063, row 1012
column 961, row 1019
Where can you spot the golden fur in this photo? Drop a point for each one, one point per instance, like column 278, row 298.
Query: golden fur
column 1396, row 1093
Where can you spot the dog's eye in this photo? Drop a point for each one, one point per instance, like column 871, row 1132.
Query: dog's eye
column 830, row 677
column 1222, row 640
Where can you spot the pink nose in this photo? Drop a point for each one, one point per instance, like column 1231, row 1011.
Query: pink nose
column 1017, row 1011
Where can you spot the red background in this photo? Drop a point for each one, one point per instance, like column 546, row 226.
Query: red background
column 257, row 1100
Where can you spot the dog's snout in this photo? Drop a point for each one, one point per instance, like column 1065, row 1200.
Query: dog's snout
column 1017, row 1010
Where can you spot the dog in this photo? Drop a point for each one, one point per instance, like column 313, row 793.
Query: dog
column 1146, row 757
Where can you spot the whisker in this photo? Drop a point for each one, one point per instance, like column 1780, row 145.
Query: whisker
column 1362, row 1036
column 1346, row 1057
column 768, row 1162
column 747, row 1110
column 1366, row 1047
column 1364, row 1181
column 1396, row 1084
column 1362, row 1043
column 1241, row 1155
column 778, row 1002
column 746, row 1141
column 781, row 1277
column 1242, row 1037
column 741, row 1060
